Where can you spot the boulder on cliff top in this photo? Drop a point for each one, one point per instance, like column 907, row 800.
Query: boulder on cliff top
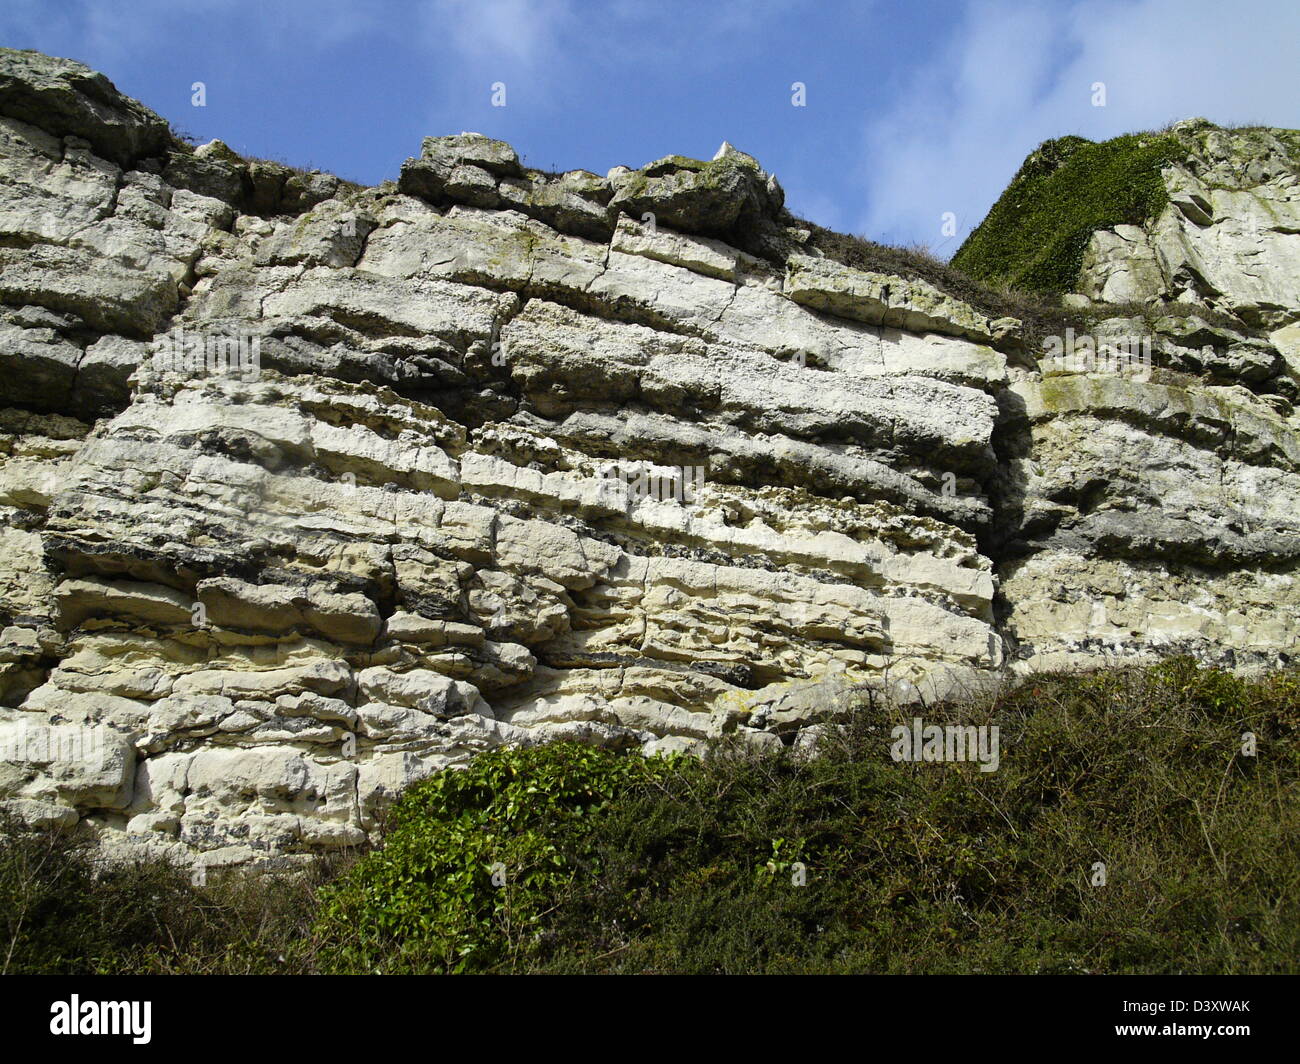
column 66, row 98
column 714, row 198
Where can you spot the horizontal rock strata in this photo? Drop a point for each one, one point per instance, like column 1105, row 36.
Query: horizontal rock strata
column 308, row 490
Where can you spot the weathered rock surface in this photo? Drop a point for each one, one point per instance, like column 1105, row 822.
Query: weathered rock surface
column 309, row 490
column 1160, row 510
column 1229, row 238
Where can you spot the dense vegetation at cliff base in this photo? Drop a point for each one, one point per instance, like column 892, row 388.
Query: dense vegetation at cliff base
column 564, row 858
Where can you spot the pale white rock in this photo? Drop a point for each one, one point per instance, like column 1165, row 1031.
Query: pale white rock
column 701, row 254
column 428, row 518
column 881, row 299
column 429, row 692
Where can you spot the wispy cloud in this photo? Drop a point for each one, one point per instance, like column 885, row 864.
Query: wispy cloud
column 564, row 39
column 514, row 31
column 1010, row 76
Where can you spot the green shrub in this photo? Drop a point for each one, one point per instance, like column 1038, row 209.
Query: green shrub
column 941, row 868
column 58, row 918
column 65, row 912
column 467, row 871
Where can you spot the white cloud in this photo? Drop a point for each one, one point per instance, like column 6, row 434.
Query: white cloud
column 519, row 31
column 1010, row 76
column 562, row 36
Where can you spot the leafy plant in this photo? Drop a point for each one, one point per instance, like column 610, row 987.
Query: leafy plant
column 467, row 872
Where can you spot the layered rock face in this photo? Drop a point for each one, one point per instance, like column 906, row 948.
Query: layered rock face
column 308, row 490
column 1160, row 509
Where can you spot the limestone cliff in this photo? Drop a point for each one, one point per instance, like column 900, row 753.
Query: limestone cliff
column 308, row 490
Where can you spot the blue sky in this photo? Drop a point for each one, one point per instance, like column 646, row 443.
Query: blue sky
column 912, row 109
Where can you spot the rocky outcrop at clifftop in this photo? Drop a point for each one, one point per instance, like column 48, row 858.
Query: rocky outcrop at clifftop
column 1155, row 509
column 308, row 490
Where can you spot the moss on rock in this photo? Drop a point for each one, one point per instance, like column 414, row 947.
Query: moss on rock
column 1035, row 235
